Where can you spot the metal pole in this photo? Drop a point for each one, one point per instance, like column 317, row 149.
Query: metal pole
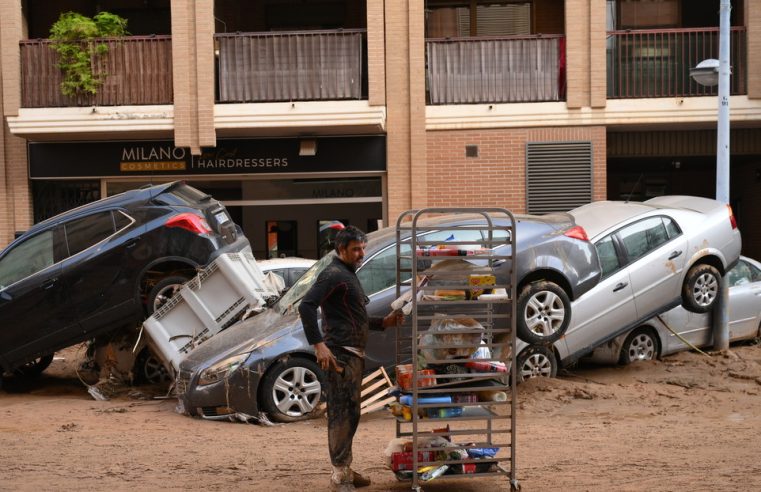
column 721, row 312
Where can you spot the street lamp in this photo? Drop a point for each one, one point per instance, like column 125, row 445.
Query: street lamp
column 711, row 72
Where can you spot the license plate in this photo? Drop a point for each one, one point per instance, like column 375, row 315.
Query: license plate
column 221, row 217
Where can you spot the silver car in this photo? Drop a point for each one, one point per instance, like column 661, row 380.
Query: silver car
column 653, row 338
column 654, row 256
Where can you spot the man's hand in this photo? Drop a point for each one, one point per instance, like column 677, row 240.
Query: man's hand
column 325, row 358
column 394, row 318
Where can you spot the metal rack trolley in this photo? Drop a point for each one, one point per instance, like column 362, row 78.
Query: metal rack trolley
column 481, row 424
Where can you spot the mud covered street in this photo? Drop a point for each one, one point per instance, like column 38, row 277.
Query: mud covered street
column 688, row 422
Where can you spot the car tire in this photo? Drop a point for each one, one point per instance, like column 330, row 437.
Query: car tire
column 292, row 390
column 536, row 361
column 149, row 369
column 641, row 344
column 544, row 313
column 701, row 288
column 162, row 291
column 35, row 367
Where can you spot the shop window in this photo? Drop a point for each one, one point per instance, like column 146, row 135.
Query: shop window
column 281, row 238
column 326, row 234
column 54, row 197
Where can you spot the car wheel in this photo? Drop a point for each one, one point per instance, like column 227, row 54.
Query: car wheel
column 641, row 344
column 701, row 288
column 544, row 312
column 292, row 389
column 149, row 369
column 536, row 361
column 35, row 367
column 163, row 291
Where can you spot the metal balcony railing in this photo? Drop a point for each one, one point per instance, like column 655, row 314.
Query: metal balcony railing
column 657, row 62
column 291, row 66
column 496, row 69
column 137, row 70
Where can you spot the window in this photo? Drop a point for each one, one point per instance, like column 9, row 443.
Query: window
column 671, row 227
column 121, row 220
column 27, row 258
column 743, row 273
column 380, row 271
column 606, row 251
column 642, row 237
column 281, row 238
column 88, row 231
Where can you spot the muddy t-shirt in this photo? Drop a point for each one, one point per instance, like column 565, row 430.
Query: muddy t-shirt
column 344, row 317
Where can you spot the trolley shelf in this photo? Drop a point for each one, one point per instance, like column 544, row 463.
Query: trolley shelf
column 439, row 336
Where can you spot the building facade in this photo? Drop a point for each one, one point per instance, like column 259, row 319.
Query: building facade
column 300, row 113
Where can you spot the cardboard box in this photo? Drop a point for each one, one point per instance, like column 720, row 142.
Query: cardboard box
column 486, row 281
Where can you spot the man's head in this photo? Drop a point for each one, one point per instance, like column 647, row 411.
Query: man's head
column 350, row 245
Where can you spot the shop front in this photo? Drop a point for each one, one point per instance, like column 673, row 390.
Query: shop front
column 288, row 194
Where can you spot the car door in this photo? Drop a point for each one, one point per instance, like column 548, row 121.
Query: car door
column 605, row 310
column 100, row 271
column 744, row 300
column 655, row 252
column 34, row 300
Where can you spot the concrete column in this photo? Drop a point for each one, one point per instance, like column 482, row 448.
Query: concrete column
column 753, row 62
column 598, row 68
column 376, row 53
column 15, row 196
column 193, row 73
column 578, row 14
column 405, row 104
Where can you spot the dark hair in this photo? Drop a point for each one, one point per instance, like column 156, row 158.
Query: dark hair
column 347, row 235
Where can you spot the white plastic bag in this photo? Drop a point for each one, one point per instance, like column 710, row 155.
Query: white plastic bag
column 446, row 340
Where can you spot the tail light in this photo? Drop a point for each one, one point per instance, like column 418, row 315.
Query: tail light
column 577, row 232
column 189, row 222
column 732, row 219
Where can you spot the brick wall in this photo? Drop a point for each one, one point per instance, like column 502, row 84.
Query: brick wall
column 753, row 25
column 15, row 198
column 193, row 72
column 376, row 52
column 578, row 68
column 497, row 177
column 405, row 106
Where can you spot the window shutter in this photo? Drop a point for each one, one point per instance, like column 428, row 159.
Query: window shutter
column 558, row 176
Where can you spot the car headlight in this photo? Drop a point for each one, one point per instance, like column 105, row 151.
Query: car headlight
column 221, row 369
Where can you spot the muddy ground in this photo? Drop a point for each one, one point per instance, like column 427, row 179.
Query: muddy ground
column 688, row 422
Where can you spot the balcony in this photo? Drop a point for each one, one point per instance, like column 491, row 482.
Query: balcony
column 137, row 71
column 321, row 65
column 657, row 62
column 501, row 69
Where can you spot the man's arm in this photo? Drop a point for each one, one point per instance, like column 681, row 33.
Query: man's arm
column 308, row 310
column 394, row 318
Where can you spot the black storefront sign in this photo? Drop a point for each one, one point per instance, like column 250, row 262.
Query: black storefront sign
column 232, row 156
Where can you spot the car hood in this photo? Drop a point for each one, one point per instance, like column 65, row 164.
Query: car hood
column 248, row 335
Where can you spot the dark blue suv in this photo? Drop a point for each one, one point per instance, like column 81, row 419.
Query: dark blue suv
column 98, row 268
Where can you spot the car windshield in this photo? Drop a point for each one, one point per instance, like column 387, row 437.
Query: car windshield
column 300, row 288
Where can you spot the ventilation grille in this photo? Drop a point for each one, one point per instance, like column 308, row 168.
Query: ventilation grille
column 558, row 175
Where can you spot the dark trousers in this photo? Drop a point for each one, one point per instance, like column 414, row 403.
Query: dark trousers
column 343, row 398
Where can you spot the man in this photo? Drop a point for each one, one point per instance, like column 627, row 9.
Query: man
column 340, row 352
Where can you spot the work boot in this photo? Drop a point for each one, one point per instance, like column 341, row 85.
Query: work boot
column 341, row 479
column 341, row 487
column 359, row 480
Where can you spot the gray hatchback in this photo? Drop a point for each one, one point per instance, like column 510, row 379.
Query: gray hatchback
column 265, row 363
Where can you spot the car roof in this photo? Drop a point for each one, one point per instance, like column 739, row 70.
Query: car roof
column 597, row 217
column 104, row 203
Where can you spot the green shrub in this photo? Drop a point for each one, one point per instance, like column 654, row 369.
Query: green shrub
column 75, row 41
